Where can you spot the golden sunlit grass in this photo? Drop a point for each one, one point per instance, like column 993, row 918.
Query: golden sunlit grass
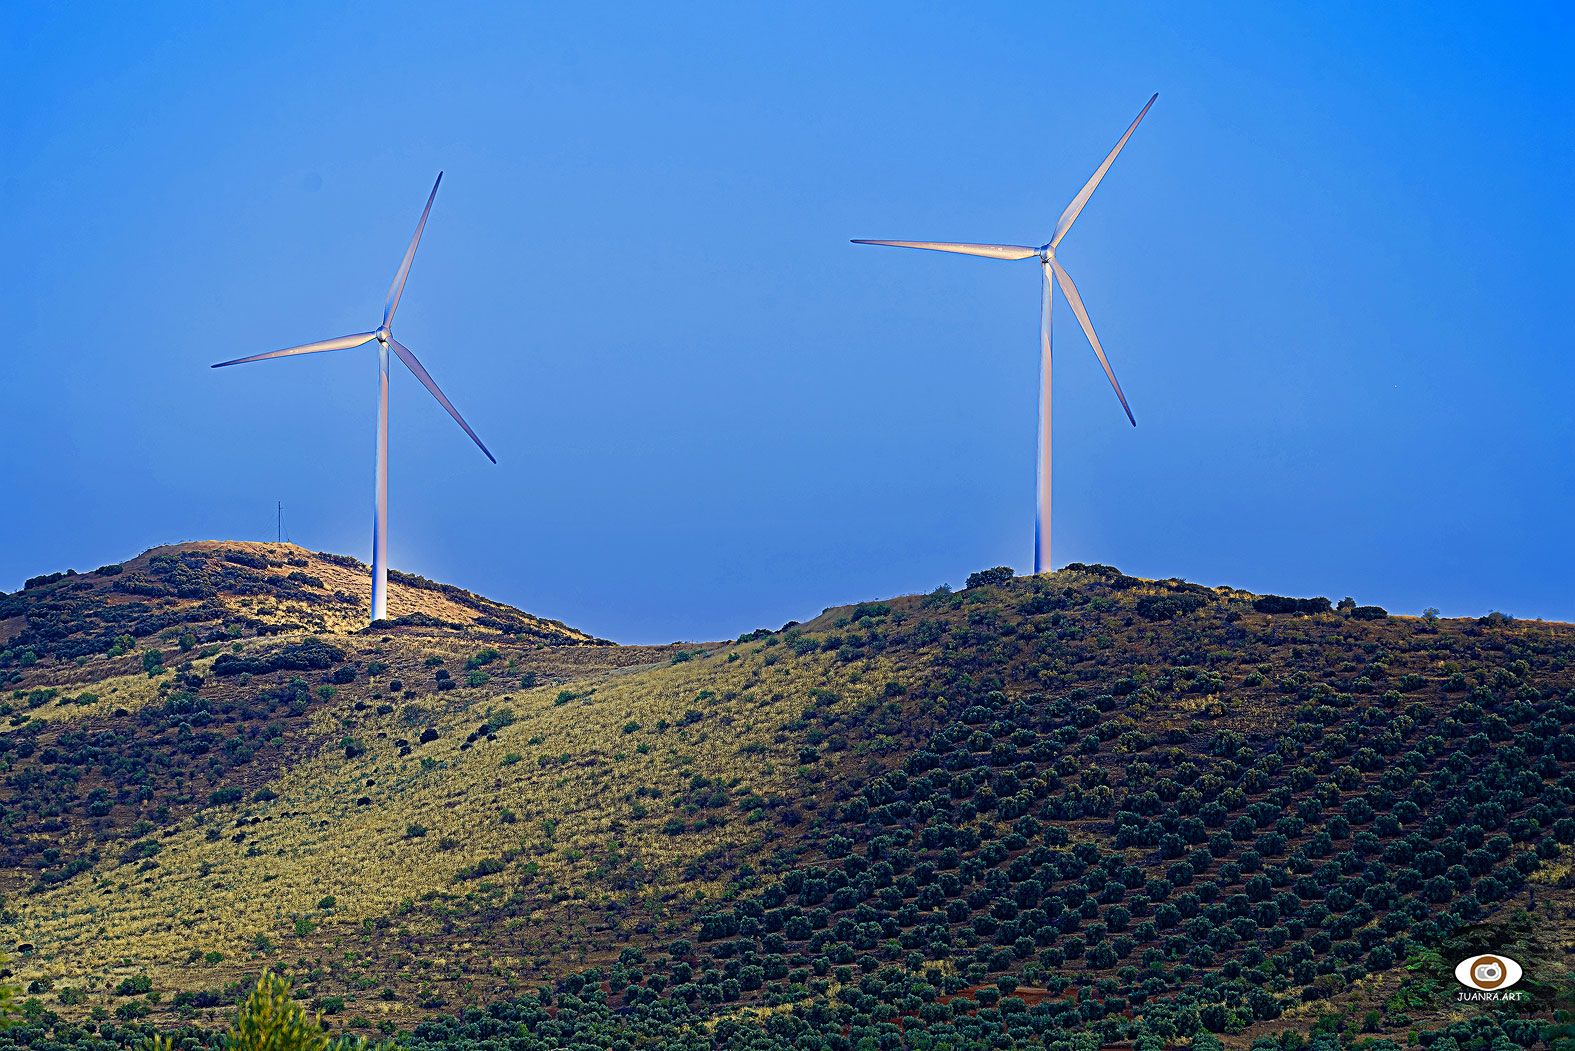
column 78, row 701
column 585, row 771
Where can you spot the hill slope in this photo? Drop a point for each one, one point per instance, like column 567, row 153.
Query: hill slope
column 1078, row 807
column 220, row 588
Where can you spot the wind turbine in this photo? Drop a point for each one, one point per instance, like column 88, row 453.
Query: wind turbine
column 384, row 336
column 1048, row 263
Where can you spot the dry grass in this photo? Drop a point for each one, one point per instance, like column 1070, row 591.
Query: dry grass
column 568, row 785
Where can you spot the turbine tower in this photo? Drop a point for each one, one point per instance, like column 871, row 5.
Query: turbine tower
column 1048, row 264
column 384, row 336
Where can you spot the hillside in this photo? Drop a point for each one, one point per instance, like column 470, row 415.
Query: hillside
column 222, row 589
column 1076, row 810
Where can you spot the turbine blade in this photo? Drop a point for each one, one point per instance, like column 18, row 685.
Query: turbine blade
column 987, row 251
column 426, row 381
column 339, row 343
column 1074, row 209
column 397, row 289
column 1064, row 279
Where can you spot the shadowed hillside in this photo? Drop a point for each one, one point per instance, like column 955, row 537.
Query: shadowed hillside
column 1074, row 811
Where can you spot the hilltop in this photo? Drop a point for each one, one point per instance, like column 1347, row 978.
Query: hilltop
column 1076, row 808
column 229, row 588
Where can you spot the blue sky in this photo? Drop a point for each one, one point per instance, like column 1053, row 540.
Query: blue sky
column 1332, row 270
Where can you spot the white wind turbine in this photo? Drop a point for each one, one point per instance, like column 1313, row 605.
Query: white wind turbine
column 1049, row 264
column 385, row 343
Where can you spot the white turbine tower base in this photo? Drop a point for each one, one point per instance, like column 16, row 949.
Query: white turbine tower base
column 386, row 342
column 1048, row 265
column 380, row 493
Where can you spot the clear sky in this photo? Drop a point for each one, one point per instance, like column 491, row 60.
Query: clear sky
column 1332, row 269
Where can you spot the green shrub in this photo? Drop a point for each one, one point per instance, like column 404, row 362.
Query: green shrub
column 1281, row 604
column 1167, row 607
column 484, row 867
column 991, row 577
column 135, row 985
column 310, row 655
column 483, row 658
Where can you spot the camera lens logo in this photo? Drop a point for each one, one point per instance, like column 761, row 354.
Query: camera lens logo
column 1487, row 972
